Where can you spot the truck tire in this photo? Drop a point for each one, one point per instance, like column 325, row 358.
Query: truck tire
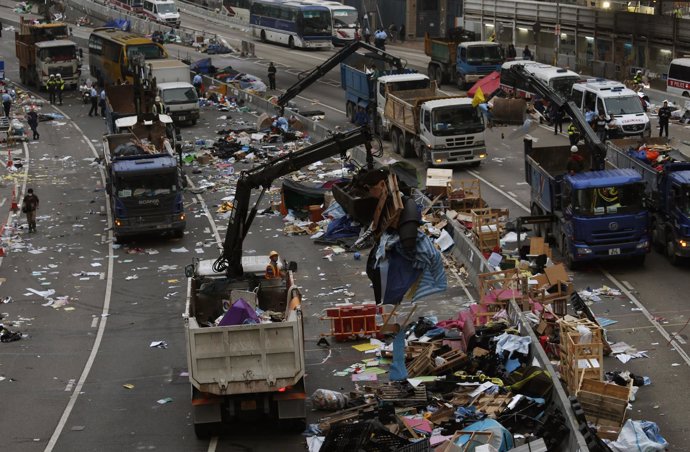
column 395, row 140
column 567, row 257
column 434, row 73
column 204, row 431
column 673, row 258
column 657, row 238
column 194, row 121
column 378, row 128
column 405, row 147
column 462, row 85
column 350, row 111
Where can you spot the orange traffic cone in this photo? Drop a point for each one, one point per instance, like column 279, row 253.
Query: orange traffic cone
column 9, row 158
column 14, row 207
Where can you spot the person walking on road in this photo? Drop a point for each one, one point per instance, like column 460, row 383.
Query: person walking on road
column 197, row 82
column 602, row 125
column 557, row 115
column 6, row 103
column 51, row 85
column 380, row 39
column 101, row 101
column 59, row 87
column 664, row 116
column 272, row 76
column 32, row 120
column 573, row 134
column 29, row 207
column 93, row 96
column 526, row 53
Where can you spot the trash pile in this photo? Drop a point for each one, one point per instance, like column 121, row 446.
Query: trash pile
column 454, row 385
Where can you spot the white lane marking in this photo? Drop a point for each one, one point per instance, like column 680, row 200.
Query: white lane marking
column 94, row 322
column 512, row 194
column 671, row 340
column 507, row 195
column 213, row 444
column 104, row 315
column 2, row 203
column 627, row 285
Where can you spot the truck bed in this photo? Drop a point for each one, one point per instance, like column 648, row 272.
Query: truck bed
column 243, row 359
column 402, row 107
column 617, row 156
column 443, row 50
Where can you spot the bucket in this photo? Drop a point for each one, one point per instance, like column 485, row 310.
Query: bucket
column 315, row 213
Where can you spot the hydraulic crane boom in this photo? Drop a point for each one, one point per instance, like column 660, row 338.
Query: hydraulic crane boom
column 322, row 69
column 590, row 137
column 263, row 176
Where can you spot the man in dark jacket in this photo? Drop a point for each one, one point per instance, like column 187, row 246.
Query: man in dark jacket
column 32, row 120
column 29, row 207
column 272, row 76
column 664, row 116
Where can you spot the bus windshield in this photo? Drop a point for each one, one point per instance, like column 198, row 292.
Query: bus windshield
column 484, row 54
column 343, row 18
column 150, row 51
column 454, row 120
column 166, row 8
column 563, row 85
column 316, row 22
column 623, row 105
column 148, row 186
column 608, row 200
column 54, row 54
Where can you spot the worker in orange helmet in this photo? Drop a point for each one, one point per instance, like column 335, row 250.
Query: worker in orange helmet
column 272, row 269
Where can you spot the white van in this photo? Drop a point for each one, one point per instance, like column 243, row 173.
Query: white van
column 621, row 104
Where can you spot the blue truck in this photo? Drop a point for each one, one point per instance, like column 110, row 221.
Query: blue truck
column 461, row 59
column 596, row 215
column 366, row 84
column 666, row 195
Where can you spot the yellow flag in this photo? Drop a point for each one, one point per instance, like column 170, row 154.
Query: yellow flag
column 478, row 97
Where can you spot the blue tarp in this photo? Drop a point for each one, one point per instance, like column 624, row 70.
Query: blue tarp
column 120, row 24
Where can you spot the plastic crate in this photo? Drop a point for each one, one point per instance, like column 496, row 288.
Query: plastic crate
column 420, row 446
column 346, row 437
column 384, row 441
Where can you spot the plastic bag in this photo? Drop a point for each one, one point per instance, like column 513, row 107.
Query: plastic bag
column 640, row 436
column 325, row 399
column 585, row 334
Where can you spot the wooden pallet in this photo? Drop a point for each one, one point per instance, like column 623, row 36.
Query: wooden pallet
column 492, row 404
column 402, row 395
column 389, row 207
column 605, row 405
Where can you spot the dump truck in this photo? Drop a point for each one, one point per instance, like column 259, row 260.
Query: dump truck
column 461, row 59
column 439, row 129
column 255, row 370
column 144, row 182
column 43, row 49
column 592, row 214
column 175, row 90
column 666, row 194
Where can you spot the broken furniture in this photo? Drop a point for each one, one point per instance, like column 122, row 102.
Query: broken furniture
column 581, row 358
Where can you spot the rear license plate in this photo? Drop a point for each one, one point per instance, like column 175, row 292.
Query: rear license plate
column 614, row 251
column 183, row 118
column 248, row 405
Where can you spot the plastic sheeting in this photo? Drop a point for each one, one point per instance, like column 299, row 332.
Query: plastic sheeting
column 639, row 436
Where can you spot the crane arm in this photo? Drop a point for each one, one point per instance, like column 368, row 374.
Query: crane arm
column 263, row 176
column 542, row 89
column 322, row 69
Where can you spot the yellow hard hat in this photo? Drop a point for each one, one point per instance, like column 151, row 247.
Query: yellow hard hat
column 273, row 253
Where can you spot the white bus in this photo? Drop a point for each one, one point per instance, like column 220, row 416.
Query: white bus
column 295, row 23
column 343, row 21
column 678, row 81
column 558, row 79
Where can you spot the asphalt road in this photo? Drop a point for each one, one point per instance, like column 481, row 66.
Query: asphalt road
column 54, row 401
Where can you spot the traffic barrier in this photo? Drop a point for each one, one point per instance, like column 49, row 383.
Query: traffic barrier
column 14, row 207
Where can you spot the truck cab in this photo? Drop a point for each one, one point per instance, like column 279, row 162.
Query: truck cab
column 604, row 207
column 475, row 59
column 619, row 103
column 394, row 82
column 674, row 202
column 180, row 100
column 451, row 131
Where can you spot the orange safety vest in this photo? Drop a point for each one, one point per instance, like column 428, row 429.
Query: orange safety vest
column 272, row 271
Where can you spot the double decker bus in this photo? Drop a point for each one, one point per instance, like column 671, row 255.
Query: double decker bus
column 295, row 23
column 110, row 52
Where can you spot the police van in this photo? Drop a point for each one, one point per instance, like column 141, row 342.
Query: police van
column 619, row 103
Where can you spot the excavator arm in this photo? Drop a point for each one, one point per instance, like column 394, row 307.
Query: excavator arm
column 322, row 69
column 263, row 176
column 542, row 89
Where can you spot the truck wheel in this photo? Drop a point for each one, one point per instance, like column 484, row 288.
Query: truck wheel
column 378, row 128
column 405, row 147
column 203, row 431
column 476, row 164
column 657, row 238
column 565, row 254
column 22, row 76
column 673, row 258
column 350, row 111
column 461, row 83
column 395, row 141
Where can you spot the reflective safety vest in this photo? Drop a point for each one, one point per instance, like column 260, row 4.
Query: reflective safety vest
column 572, row 130
column 272, row 271
column 60, row 84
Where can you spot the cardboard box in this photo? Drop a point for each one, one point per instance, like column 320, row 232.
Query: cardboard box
column 557, row 273
column 437, row 180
